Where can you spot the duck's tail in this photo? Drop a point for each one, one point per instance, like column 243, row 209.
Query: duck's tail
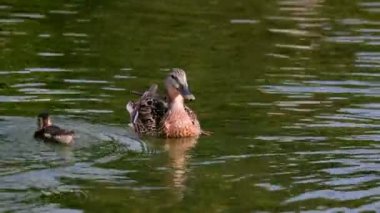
column 206, row 133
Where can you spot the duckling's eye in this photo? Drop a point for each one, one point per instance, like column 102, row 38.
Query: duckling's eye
column 173, row 77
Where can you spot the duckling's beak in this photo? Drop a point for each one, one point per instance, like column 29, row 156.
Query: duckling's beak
column 185, row 92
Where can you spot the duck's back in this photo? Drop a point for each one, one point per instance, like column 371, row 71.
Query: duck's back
column 55, row 133
column 147, row 112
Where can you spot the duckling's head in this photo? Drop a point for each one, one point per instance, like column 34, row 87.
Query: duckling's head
column 176, row 84
column 43, row 120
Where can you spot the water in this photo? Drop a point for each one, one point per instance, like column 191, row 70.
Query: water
column 290, row 90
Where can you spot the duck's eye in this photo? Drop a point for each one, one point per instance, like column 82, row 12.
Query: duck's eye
column 173, row 77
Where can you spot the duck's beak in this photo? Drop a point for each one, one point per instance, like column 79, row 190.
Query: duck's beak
column 185, row 92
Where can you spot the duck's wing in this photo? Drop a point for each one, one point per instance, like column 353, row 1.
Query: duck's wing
column 47, row 132
column 147, row 112
column 55, row 134
column 53, row 131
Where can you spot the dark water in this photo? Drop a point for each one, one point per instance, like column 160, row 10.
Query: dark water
column 290, row 88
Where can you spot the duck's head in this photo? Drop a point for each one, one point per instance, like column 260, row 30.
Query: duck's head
column 176, row 84
column 43, row 120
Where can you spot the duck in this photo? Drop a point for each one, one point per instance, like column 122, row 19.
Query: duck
column 167, row 116
column 48, row 132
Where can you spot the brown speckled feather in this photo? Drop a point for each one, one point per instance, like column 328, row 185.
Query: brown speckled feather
column 192, row 115
column 178, row 124
column 147, row 112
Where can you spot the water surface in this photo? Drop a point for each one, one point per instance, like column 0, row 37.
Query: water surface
column 290, row 90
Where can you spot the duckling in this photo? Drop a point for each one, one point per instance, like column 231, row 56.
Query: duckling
column 49, row 132
column 166, row 116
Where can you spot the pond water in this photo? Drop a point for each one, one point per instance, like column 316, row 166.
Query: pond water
column 289, row 88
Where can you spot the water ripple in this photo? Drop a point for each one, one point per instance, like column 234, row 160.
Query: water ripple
column 28, row 15
column 63, row 12
column 336, row 195
column 47, row 91
column 243, row 21
column 291, row 138
column 50, row 54
column 16, row 98
column 85, row 81
column 374, row 92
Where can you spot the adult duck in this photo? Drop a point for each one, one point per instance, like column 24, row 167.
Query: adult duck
column 48, row 132
column 165, row 116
